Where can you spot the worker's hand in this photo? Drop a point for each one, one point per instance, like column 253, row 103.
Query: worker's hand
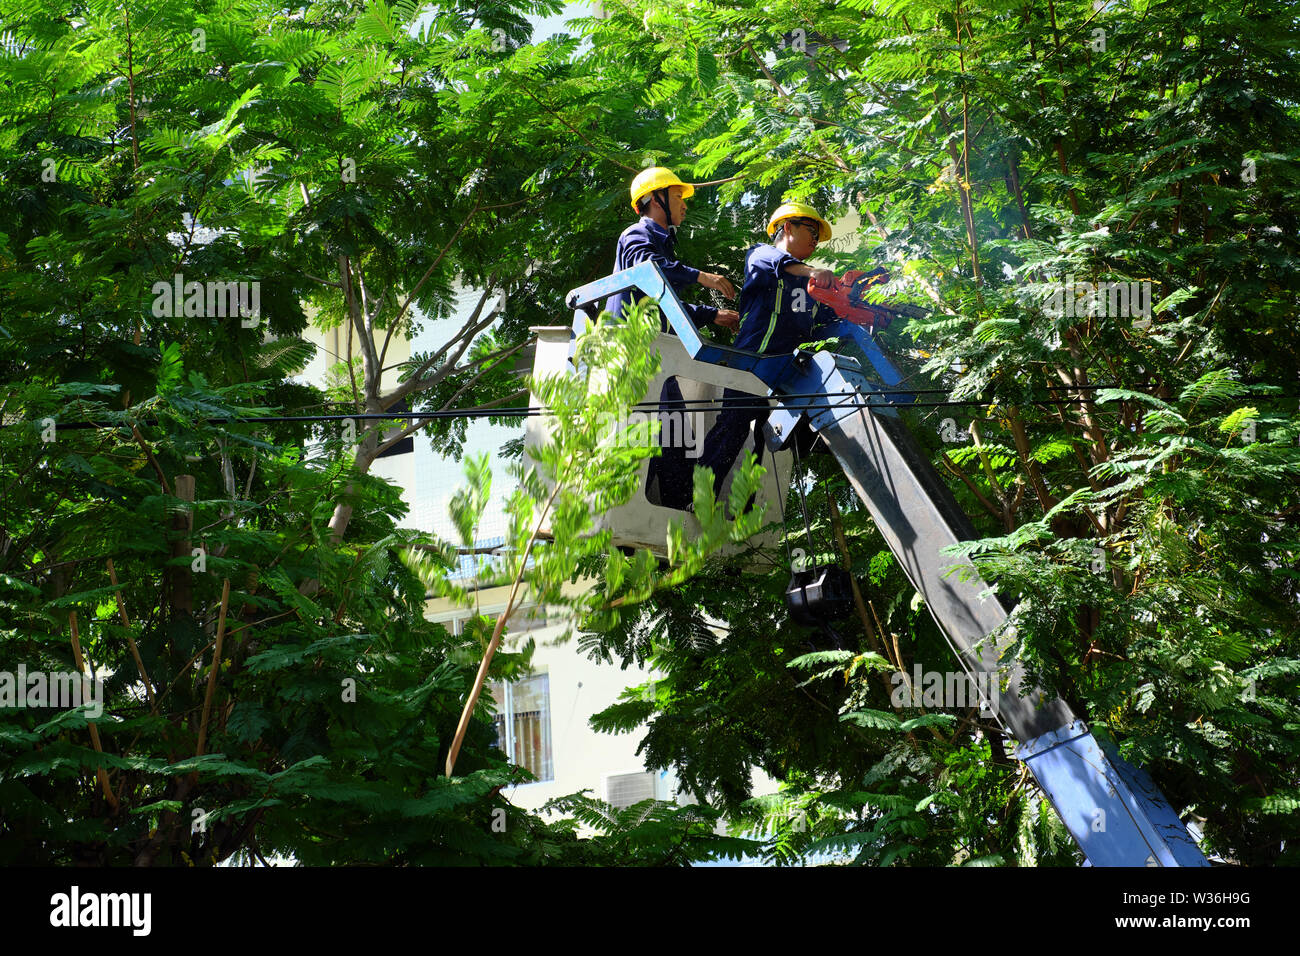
column 711, row 280
column 728, row 319
column 822, row 278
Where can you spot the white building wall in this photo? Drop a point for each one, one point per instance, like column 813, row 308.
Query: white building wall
column 581, row 758
column 579, row 688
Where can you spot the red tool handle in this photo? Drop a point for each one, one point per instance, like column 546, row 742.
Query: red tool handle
column 845, row 297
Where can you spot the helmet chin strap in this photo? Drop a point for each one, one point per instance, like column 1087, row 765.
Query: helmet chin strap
column 661, row 196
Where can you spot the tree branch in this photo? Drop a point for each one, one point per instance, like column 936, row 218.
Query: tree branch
column 952, row 466
column 497, row 631
column 420, row 423
column 420, row 380
column 428, row 272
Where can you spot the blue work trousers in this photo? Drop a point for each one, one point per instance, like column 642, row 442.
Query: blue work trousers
column 728, row 434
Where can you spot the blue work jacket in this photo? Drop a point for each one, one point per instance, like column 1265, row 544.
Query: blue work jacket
column 648, row 240
column 776, row 311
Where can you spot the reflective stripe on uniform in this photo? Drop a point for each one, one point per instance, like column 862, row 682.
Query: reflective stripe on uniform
column 776, row 310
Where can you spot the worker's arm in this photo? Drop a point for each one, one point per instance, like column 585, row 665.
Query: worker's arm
column 721, row 283
column 641, row 245
column 638, row 247
column 766, row 263
column 822, row 278
column 700, row 314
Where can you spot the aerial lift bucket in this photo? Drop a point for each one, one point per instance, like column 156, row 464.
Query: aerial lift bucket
column 643, row 521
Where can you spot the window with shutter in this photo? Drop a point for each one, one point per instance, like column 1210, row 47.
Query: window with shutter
column 523, row 723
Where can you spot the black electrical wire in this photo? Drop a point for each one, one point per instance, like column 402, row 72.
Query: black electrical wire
column 898, row 388
column 524, row 412
column 847, row 401
column 780, row 503
column 803, row 502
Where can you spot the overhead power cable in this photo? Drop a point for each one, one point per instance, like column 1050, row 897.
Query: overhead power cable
column 533, row 412
column 848, row 401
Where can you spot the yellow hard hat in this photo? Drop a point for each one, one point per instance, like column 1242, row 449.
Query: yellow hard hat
column 656, row 177
column 798, row 210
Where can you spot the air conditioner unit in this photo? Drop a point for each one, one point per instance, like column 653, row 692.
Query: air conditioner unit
column 622, row 790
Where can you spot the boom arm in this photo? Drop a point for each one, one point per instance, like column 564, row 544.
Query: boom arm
column 1111, row 808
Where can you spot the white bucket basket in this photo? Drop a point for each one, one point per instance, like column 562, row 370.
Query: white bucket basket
column 643, row 522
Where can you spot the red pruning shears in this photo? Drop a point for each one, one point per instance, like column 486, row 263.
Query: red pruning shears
column 847, row 298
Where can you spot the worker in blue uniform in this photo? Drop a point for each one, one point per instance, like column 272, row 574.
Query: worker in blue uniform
column 776, row 315
column 660, row 197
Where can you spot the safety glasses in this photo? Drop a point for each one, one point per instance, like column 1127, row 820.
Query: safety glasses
column 813, row 227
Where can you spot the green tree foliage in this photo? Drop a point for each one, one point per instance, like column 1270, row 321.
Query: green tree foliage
column 1132, row 476
column 271, row 686
column 244, row 712
column 1134, row 472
